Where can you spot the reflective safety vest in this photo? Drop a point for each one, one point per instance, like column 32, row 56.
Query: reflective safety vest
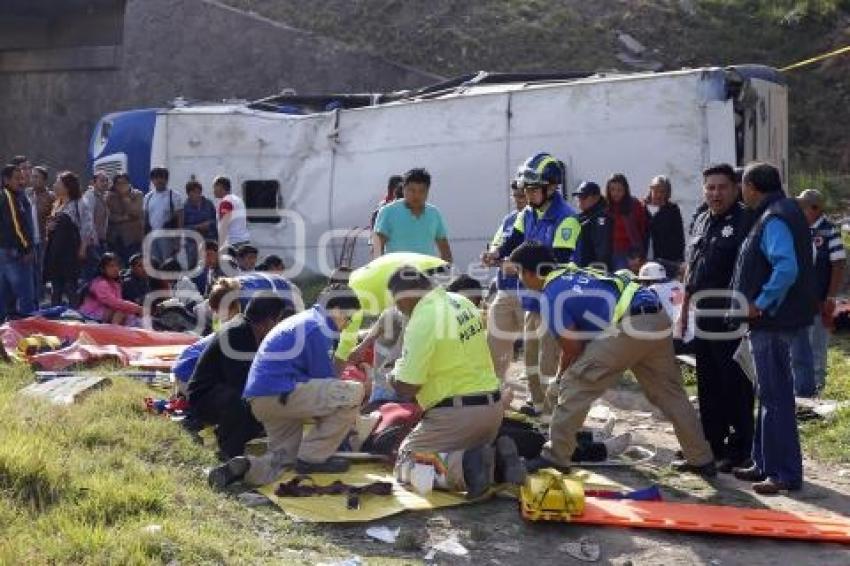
column 624, row 287
column 557, row 228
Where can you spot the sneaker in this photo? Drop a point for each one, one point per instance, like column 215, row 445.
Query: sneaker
column 231, row 471
column 752, row 474
column 708, row 470
column 770, row 486
column 333, row 465
column 618, row 444
column 507, row 456
column 540, row 463
column 478, row 471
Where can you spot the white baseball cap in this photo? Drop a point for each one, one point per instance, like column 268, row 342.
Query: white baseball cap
column 652, row 271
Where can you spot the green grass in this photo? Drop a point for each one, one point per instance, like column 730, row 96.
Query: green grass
column 102, row 482
column 830, row 440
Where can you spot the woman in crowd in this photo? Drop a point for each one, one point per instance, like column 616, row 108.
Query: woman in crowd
column 666, row 230
column 65, row 249
column 103, row 301
column 628, row 215
column 126, row 228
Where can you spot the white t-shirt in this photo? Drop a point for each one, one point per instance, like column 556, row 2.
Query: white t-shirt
column 237, row 227
column 672, row 295
column 157, row 206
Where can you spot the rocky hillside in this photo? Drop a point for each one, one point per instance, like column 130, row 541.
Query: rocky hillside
column 450, row 37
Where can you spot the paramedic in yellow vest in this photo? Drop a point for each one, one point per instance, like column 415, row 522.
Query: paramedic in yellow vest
column 547, row 220
column 606, row 324
column 446, row 365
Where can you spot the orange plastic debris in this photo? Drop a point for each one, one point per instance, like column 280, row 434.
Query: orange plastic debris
column 715, row 519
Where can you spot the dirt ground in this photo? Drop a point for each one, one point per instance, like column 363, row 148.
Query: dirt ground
column 494, row 533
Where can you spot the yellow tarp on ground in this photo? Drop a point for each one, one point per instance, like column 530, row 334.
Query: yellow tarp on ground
column 332, row 508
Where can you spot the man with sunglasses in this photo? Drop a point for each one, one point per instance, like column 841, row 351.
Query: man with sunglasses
column 549, row 221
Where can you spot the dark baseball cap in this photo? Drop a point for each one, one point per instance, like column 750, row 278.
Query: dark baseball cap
column 586, row 189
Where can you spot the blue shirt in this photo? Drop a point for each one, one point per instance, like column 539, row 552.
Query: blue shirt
column 777, row 245
column 205, row 212
column 408, row 233
column 185, row 365
column 506, row 282
column 581, row 303
column 298, row 349
column 557, row 227
column 251, row 283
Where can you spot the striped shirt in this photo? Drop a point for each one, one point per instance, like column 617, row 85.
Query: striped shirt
column 828, row 248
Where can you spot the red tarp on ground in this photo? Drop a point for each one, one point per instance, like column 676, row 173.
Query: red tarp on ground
column 94, row 342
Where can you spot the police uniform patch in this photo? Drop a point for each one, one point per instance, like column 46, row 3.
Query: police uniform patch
column 727, row 231
column 566, row 233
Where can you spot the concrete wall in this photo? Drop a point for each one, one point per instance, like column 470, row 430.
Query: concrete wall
column 197, row 49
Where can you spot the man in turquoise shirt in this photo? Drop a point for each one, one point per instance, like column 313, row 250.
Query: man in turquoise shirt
column 411, row 224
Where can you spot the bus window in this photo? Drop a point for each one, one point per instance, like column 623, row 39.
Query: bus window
column 262, row 199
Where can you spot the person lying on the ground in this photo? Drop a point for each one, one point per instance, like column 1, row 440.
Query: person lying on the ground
column 446, row 365
column 293, row 379
column 216, row 385
column 103, row 301
column 581, row 309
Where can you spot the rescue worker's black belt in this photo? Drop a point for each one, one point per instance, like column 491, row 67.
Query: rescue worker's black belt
column 645, row 309
column 469, row 400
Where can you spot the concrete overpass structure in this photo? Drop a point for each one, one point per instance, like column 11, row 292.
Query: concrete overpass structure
column 65, row 63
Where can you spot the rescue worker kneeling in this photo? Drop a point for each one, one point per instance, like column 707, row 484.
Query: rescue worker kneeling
column 446, row 364
column 606, row 325
column 215, row 386
column 292, row 379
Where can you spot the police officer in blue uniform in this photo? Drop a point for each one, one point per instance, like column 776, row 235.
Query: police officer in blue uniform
column 725, row 393
column 604, row 325
column 547, row 220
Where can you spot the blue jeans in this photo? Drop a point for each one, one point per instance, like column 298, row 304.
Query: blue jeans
column 776, row 445
column 38, row 270
column 808, row 356
column 803, row 364
column 17, row 284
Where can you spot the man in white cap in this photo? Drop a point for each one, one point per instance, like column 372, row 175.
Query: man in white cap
column 671, row 292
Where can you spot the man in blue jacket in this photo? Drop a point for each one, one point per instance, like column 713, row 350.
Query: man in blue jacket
column 774, row 273
column 549, row 221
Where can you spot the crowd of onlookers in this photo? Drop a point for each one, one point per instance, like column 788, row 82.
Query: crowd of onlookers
column 66, row 244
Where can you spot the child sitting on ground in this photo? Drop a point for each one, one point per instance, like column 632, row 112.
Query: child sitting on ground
column 103, row 301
